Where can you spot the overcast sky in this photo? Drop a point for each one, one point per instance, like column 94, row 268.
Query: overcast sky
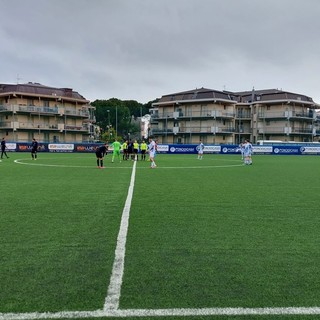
column 143, row 49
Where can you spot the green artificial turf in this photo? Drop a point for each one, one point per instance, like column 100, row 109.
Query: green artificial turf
column 202, row 234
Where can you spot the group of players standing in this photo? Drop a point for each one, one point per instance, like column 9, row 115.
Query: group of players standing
column 246, row 152
column 34, row 149
column 245, row 149
column 130, row 150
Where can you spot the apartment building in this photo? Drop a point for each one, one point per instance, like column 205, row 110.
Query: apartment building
column 223, row 117
column 48, row 114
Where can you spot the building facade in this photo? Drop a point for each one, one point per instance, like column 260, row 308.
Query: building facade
column 48, row 114
column 223, row 117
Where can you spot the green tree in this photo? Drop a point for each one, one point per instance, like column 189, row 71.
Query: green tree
column 112, row 114
column 115, row 114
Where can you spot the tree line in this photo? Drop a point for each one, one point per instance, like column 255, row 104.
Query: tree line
column 115, row 115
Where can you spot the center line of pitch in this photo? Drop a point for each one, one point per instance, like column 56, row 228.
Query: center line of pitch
column 114, row 289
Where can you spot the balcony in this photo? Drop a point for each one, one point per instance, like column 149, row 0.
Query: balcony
column 208, row 114
column 35, row 109
column 76, row 128
column 41, row 126
column 194, row 130
column 77, row 113
column 285, row 130
column 243, row 115
column 6, row 108
column 15, row 125
column 294, row 115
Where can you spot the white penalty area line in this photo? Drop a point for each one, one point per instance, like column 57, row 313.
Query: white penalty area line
column 161, row 313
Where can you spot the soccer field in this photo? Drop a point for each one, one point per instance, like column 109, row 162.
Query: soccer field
column 197, row 239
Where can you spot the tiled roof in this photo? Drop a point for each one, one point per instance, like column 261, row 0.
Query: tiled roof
column 266, row 95
column 271, row 95
column 38, row 89
column 196, row 94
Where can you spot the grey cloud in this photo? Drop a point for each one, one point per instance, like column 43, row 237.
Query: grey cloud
column 141, row 49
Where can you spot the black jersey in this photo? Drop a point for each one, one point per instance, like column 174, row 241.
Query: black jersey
column 3, row 145
column 102, row 150
column 34, row 146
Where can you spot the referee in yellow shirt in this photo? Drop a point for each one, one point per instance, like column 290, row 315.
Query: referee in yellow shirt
column 143, row 149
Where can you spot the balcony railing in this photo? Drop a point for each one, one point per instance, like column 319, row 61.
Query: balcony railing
column 21, row 108
column 195, row 130
column 41, row 126
column 284, row 130
column 34, row 109
column 285, row 114
column 193, row 114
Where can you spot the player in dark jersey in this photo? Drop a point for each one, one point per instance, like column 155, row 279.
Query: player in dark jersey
column 3, row 148
column 100, row 153
column 130, row 149
column 34, row 149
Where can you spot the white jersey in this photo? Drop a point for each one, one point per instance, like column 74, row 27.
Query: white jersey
column 200, row 148
column 247, row 149
column 152, row 148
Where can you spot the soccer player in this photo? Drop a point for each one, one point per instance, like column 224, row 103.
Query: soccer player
column 152, row 151
column 125, row 150
column 34, row 149
column 135, row 150
column 241, row 147
column 130, row 149
column 100, row 153
column 116, row 150
column 143, row 148
column 247, row 152
column 200, row 150
column 3, row 148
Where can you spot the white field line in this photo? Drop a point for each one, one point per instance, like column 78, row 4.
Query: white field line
column 113, row 295
column 161, row 313
column 20, row 161
column 203, row 167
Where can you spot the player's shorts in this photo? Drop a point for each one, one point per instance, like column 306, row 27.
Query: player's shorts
column 99, row 155
column 151, row 154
